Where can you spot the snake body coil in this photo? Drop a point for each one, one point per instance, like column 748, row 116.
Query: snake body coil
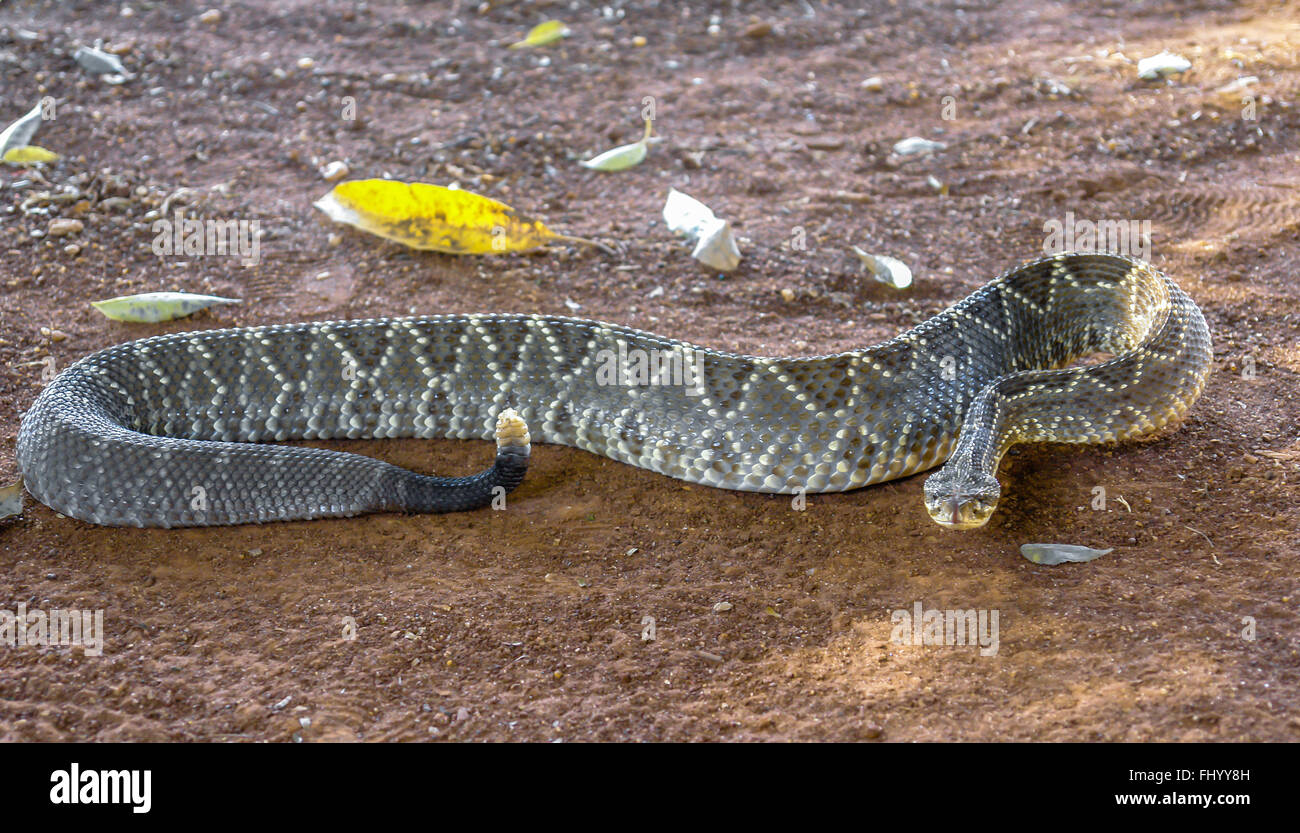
column 171, row 430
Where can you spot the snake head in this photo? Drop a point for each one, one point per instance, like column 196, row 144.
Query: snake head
column 961, row 500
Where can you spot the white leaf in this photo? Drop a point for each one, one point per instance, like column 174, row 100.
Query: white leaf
column 1060, row 553
column 20, row 133
column 915, row 144
column 151, row 307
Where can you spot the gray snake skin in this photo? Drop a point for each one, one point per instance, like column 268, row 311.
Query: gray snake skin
column 171, row 430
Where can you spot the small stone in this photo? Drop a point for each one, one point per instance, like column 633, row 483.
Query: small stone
column 306, row 63
column 874, row 84
column 211, row 16
column 760, row 29
column 787, row 295
column 638, row 41
column 72, row 249
column 334, row 171
column 722, row 607
column 871, row 731
column 63, row 226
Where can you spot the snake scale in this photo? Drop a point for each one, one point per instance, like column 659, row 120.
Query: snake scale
column 174, row 430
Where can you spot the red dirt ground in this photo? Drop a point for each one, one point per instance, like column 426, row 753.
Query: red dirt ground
column 527, row 624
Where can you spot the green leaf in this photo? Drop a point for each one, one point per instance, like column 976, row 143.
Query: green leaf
column 152, row 307
column 622, row 157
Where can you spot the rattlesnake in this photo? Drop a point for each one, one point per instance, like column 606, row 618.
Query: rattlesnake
column 170, row 430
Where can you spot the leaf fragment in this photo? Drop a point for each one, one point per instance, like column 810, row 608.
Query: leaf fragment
column 1060, row 553
column 152, row 307
column 431, row 217
column 543, row 34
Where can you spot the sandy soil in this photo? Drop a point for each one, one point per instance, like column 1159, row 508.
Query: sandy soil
column 528, row 624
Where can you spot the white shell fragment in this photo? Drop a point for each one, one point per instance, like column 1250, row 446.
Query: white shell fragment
column 1060, row 553
column 20, row 133
column 1158, row 66
column 886, row 269
column 915, row 144
column 152, row 307
column 98, row 62
column 715, row 247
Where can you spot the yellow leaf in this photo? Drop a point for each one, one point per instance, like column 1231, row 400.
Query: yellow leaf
column 28, row 155
column 542, row 34
column 426, row 216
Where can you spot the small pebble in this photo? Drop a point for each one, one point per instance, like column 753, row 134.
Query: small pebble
column 64, row 225
column 787, row 295
column 638, row 41
column 722, row 607
column 334, row 171
column 211, row 16
column 306, row 63
column 72, row 249
column 758, row 30
column 874, row 84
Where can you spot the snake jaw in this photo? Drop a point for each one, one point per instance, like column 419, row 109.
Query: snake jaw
column 965, row 503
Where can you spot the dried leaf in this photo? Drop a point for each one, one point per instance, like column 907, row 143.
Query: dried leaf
column 886, row 269
column 915, row 144
column 715, row 246
column 1060, row 553
column 542, row 34
column 1158, row 66
column 97, row 62
column 21, row 131
column 11, row 500
column 622, row 157
column 152, row 307
column 431, row 217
